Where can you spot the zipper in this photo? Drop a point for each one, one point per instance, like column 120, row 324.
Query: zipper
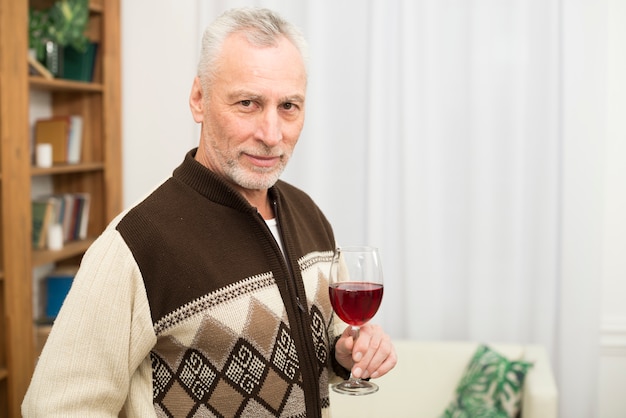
column 292, row 283
column 309, row 357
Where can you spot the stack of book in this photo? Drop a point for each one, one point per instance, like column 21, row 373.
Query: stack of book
column 65, row 134
column 70, row 210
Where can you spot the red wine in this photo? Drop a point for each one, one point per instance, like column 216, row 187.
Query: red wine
column 355, row 302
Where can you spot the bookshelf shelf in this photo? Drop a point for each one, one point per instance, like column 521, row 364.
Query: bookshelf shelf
column 99, row 173
column 57, row 84
column 69, row 250
column 67, row 168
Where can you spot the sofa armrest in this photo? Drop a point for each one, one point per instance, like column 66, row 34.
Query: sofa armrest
column 423, row 383
column 540, row 396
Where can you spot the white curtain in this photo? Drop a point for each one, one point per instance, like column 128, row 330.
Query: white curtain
column 463, row 138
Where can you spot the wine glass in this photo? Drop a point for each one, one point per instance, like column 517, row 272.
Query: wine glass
column 356, row 290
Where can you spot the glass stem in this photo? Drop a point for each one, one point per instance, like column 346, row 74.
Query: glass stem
column 355, row 336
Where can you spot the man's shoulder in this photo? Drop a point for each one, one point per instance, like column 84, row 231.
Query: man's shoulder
column 296, row 199
column 289, row 190
column 157, row 206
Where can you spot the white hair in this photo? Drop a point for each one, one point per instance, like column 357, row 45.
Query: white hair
column 262, row 27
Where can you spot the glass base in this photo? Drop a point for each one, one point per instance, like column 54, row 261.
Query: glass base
column 355, row 387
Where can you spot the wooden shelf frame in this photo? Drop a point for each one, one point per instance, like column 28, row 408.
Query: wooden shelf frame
column 17, row 341
column 99, row 174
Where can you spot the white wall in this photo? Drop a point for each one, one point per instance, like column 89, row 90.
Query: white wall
column 158, row 65
column 612, row 402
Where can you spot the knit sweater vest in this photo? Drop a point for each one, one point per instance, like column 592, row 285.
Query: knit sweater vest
column 241, row 329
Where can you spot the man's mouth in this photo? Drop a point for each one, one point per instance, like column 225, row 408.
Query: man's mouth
column 263, row 160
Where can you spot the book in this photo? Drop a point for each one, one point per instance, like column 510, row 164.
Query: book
column 65, row 134
column 75, row 220
column 68, row 209
column 40, row 208
column 75, row 140
column 84, row 216
column 76, row 216
column 46, row 211
column 54, row 131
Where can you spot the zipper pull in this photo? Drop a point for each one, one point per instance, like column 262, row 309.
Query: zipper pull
column 302, row 308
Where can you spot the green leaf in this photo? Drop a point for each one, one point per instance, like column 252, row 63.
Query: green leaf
column 490, row 387
column 68, row 21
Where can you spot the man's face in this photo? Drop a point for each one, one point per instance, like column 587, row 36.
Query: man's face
column 254, row 113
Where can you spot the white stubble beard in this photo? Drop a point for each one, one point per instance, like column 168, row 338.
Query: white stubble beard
column 254, row 178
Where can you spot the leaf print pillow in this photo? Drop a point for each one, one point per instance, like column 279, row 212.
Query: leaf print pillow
column 491, row 387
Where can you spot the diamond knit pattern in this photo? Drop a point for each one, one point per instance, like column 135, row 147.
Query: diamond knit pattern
column 257, row 375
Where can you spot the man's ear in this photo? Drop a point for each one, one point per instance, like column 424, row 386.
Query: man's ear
column 196, row 102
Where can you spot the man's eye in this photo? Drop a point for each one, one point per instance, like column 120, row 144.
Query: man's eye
column 288, row 106
column 246, row 103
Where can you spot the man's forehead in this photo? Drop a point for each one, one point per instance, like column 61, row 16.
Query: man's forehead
column 265, row 72
column 237, row 45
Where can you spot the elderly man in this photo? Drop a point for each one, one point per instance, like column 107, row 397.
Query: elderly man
column 210, row 297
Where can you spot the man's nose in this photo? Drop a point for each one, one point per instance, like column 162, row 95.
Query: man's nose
column 270, row 128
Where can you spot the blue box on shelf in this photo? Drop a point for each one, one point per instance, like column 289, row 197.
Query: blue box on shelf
column 58, row 285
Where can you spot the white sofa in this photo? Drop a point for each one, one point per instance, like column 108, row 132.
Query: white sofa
column 425, row 378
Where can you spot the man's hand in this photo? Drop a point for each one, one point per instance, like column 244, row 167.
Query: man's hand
column 371, row 355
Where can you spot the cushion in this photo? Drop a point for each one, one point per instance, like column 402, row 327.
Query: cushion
column 491, row 386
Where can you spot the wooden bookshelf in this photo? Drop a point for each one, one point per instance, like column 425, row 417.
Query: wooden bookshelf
column 98, row 174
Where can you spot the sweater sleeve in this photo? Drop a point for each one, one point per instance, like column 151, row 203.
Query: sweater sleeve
column 339, row 372
column 99, row 340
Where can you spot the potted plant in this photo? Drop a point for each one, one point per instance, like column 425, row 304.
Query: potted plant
column 61, row 26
